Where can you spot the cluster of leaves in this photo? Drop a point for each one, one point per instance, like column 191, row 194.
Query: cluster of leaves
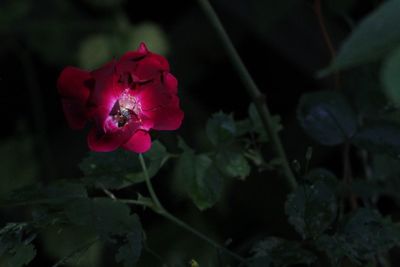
column 234, row 145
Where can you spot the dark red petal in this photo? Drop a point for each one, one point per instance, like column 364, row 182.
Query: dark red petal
column 74, row 86
column 167, row 117
column 170, row 82
column 105, row 137
column 137, row 55
column 140, row 142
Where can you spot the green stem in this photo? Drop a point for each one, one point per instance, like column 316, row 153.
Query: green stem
column 257, row 97
column 148, row 183
column 187, row 227
column 158, row 208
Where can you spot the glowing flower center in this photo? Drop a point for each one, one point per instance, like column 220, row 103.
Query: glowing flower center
column 126, row 108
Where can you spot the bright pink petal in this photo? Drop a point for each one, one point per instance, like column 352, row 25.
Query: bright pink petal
column 74, row 86
column 140, row 142
column 106, row 91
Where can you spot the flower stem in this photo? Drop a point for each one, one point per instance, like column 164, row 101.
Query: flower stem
column 257, row 97
column 158, row 208
column 148, row 183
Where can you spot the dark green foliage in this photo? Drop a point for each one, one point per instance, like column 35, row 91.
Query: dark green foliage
column 221, row 129
column 279, row 252
column 379, row 137
column 327, row 117
column 312, row 207
column 16, row 249
column 122, row 168
column 362, row 236
column 372, row 39
column 199, row 176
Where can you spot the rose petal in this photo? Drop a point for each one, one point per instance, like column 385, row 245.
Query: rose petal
column 140, row 142
column 105, row 141
column 167, row 117
column 170, row 82
column 74, row 86
column 106, row 91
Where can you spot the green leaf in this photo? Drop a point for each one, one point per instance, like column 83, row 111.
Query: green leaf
column 391, row 77
column 221, row 128
column 258, row 126
column 130, row 251
column 106, row 216
column 379, row 137
column 281, row 252
column 312, row 208
column 327, row 117
column 16, row 249
column 122, row 168
column 372, row 39
column 232, row 163
column 200, row 178
column 363, row 235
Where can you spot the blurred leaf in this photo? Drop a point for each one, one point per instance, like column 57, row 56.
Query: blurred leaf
column 122, row 168
column 380, row 137
column 16, row 249
column 129, row 253
column 232, row 163
column 11, row 11
column 106, row 216
column 61, row 242
column 59, row 192
column 327, row 117
column 221, row 129
column 200, row 178
column 280, row 252
column 362, row 236
column 94, row 51
column 372, row 39
column 391, row 77
column 18, row 164
column 150, row 33
column 312, row 208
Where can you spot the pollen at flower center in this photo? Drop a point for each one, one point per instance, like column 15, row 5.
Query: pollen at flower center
column 126, row 108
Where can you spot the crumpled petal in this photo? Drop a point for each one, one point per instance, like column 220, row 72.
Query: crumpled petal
column 140, row 142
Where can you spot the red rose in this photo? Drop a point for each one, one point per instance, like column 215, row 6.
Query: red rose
column 124, row 99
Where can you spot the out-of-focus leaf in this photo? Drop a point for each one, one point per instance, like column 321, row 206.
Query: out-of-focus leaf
column 104, row 3
column 106, row 216
column 327, row 117
column 18, row 165
column 95, row 51
column 59, row 242
column 16, row 249
column 232, row 163
column 221, row 128
column 122, row 168
column 372, row 39
column 380, row 137
column 280, row 252
column 200, row 178
column 130, row 251
column 363, row 235
column 391, row 77
column 312, row 208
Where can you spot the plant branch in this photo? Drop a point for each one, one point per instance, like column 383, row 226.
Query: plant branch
column 158, row 208
column 257, row 97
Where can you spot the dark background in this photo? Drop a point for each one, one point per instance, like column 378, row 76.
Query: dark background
column 280, row 42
